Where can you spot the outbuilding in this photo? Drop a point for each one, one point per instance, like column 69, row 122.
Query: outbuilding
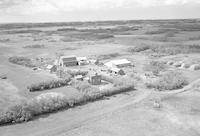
column 52, row 68
column 95, row 79
column 117, row 71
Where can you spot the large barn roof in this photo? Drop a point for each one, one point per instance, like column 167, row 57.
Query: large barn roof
column 120, row 61
column 117, row 62
column 68, row 58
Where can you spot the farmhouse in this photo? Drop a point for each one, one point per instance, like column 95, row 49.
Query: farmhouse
column 118, row 63
column 66, row 61
column 82, row 60
column 52, row 68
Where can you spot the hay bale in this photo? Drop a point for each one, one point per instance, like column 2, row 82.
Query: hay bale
column 3, row 76
column 177, row 64
column 170, row 63
column 184, row 65
column 165, row 62
column 195, row 67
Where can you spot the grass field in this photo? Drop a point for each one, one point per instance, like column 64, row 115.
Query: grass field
column 149, row 44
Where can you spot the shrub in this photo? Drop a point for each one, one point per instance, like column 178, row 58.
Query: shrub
column 104, row 36
column 169, row 81
column 170, row 49
column 139, row 48
column 50, row 102
column 35, row 46
column 63, row 74
column 19, row 60
column 170, row 34
column 176, row 49
column 67, row 29
column 16, row 114
column 41, row 104
column 82, row 86
column 155, row 67
column 108, row 56
column 162, row 31
column 49, row 85
column 74, row 73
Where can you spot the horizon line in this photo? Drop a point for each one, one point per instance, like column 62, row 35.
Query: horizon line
column 87, row 21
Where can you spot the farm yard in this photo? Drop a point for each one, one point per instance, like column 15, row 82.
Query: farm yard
column 100, row 78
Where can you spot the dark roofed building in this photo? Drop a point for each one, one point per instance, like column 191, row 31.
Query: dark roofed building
column 66, row 61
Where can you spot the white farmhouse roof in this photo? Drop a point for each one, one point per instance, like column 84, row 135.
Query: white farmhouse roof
column 109, row 64
column 115, row 69
column 49, row 66
column 81, row 58
column 72, row 56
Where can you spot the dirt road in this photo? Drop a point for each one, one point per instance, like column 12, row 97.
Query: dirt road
column 64, row 121
column 121, row 114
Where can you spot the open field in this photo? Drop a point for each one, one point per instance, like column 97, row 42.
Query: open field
column 164, row 56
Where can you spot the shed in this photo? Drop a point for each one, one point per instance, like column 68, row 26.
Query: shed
column 52, row 68
column 95, row 80
column 117, row 71
column 66, row 61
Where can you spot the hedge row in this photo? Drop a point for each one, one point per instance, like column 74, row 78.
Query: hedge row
column 169, row 81
column 48, row 85
column 74, row 73
column 50, row 102
column 20, row 60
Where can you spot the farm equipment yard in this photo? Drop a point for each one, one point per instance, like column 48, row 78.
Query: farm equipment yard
column 100, row 78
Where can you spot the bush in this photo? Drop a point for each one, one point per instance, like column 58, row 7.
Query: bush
column 139, row 48
column 67, row 29
column 170, row 49
column 161, row 31
column 49, row 85
column 169, row 81
column 35, row 46
column 63, row 74
column 74, row 73
column 156, row 67
column 108, row 56
column 176, row 49
column 50, row 102
column 41, row 104
column 16, row 114
column 19, row 60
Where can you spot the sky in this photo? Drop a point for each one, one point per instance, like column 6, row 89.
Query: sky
column 92, row 10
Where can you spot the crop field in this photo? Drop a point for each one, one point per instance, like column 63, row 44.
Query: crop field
column 157, row 94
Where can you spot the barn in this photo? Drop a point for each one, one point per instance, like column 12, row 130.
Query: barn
column 66, row 61
column 118, row 63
